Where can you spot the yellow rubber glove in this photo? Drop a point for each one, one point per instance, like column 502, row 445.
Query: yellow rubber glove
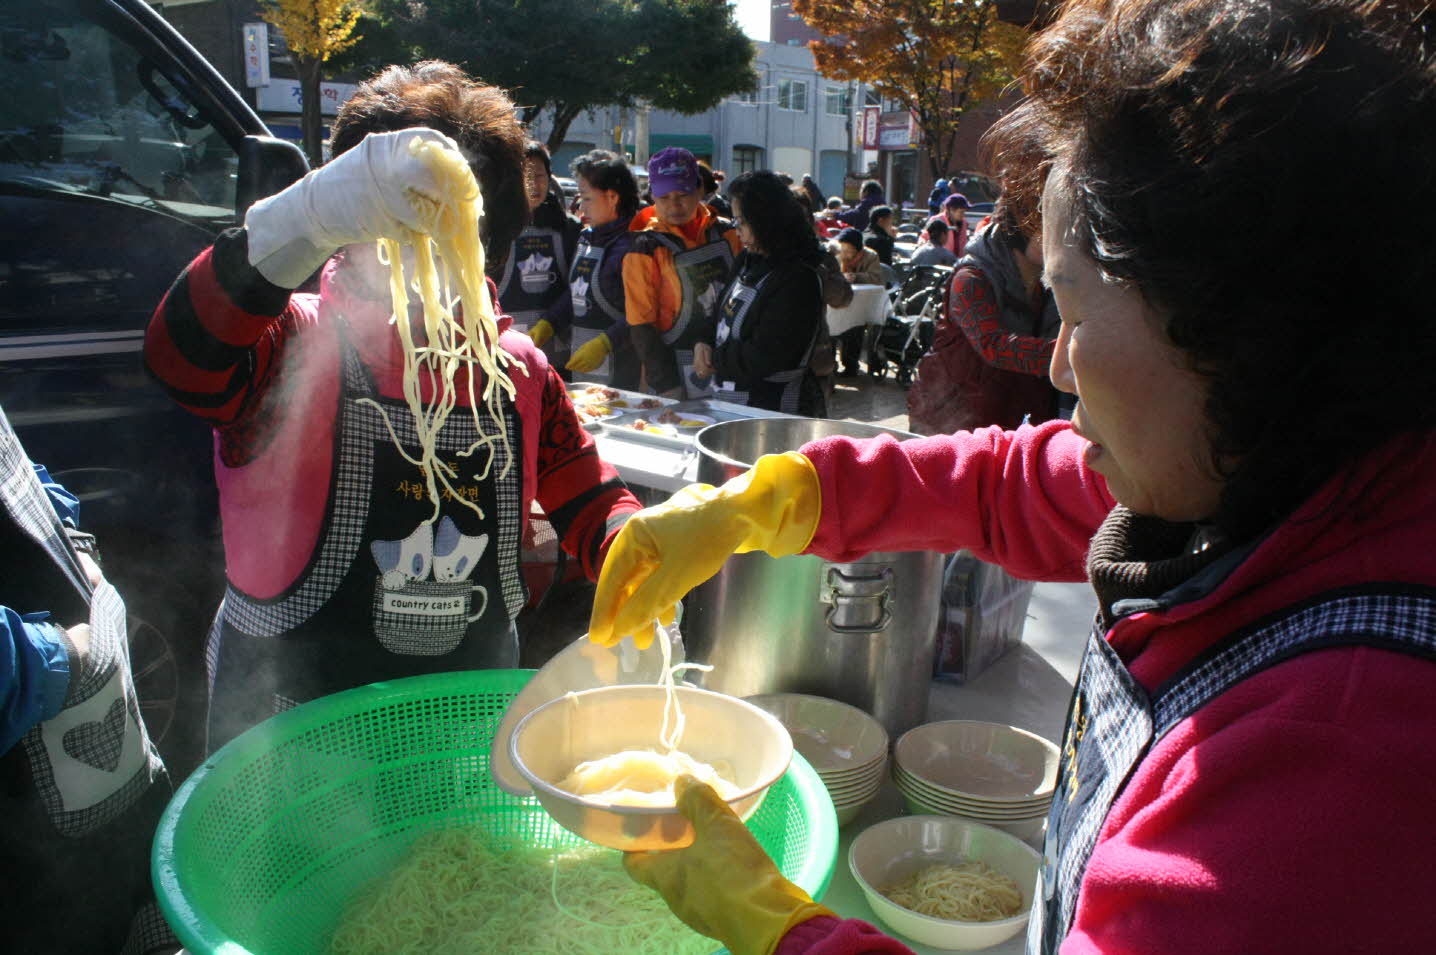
column 541, row 332
column 665, row 551
column 723, row 885
column 590, row 356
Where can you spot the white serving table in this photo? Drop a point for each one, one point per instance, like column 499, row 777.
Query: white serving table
column 870, row 306
column 667, row 465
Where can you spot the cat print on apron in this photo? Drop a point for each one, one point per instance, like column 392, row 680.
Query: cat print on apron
column 592, row 312
column 537, row 262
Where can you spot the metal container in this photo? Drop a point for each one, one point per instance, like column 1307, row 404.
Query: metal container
column 862, row 632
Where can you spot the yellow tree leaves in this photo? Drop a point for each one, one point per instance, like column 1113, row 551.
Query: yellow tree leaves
column 936, row 57
column 314, row 29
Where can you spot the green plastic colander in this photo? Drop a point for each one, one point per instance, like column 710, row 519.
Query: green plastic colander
column 265, row 844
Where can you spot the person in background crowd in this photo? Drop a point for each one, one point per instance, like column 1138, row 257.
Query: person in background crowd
column 711, row 197
column 952, row 216
column 1249, row 752
column 861, row 266
column 759, row 348
column 532, row 278
column 993, row 342
column 939, row 192
column 83, row 787
column 933, row 250
column 682, row 259
column 815, row 195
column 869, row 196
column 593, row 312
column 826, row 219
column 881, row 233
column 330, row 529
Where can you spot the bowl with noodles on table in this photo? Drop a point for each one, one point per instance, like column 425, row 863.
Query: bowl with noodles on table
column 944, row 881
column 602, row 762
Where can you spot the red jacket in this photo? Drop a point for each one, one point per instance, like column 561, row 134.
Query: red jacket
column 1290, row 814
column 978, row 372
column 223, row 337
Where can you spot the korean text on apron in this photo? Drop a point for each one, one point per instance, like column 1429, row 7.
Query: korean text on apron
column 393, row 590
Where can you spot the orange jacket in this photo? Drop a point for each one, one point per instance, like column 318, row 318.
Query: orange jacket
column 651, row 289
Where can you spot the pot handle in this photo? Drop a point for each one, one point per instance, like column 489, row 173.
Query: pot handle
column 858, row 602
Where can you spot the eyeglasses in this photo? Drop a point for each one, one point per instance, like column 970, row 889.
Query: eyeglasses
column 739, row 222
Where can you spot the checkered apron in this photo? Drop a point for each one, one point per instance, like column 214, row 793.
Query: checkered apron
column 703, row 273
column 736, row 306
column 83, row 791
column 393, row 588
column 1113, row 722
column 593, row 313
column 535, row 276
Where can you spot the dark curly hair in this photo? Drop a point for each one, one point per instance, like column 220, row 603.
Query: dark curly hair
column 782, row 227
column 478, row 117
column 1203, row 142
column 602, row 169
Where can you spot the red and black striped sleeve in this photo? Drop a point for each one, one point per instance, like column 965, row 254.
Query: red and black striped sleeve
column 972, row 307
column 581, row 494
column 216, row 333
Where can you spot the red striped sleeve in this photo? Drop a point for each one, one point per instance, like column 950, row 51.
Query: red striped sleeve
column 215, row 334
column 581, row 494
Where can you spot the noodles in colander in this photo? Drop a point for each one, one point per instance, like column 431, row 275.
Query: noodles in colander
column 457, row 893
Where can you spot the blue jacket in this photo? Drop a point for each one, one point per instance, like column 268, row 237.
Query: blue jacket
column 615, row 238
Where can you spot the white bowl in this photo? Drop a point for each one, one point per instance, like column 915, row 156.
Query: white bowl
column 909, row 786
column 831, row 735
column 1029, row 830
column 989, row 762
column 895, row 849
column 554, row 738
column 847, row 814
column 849, row 793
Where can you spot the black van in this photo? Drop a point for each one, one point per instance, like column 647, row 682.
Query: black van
column 122, row 154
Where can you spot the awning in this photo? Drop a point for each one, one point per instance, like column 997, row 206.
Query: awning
column 697, row 144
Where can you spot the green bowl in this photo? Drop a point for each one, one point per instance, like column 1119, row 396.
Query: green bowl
column 264, row 846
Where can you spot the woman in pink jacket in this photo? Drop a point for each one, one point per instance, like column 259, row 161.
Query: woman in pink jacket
column 1248, row 482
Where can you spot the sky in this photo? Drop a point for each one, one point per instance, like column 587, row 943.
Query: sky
column 753, row 17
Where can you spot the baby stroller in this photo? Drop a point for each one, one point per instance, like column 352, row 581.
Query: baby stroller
column 907, row 334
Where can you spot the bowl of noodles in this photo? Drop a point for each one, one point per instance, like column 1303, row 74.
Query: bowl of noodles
column 945, row 882
column 602, row 762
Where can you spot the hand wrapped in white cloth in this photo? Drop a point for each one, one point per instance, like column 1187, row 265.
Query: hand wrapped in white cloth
column 367, row 193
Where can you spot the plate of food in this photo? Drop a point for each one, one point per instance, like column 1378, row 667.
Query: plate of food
column 651, row 426
column 685, row 422
column 616, row 400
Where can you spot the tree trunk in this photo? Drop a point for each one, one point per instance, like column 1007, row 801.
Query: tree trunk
column 311, row 121
column 563, row 117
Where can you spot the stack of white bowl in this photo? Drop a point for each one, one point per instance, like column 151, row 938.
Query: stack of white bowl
column 847, row 747
column 995, row 774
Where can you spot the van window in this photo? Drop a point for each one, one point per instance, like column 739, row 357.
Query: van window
column 82, row 111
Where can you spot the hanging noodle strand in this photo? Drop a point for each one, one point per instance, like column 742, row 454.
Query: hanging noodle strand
column 456, row 339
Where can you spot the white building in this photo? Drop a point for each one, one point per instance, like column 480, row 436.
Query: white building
column 796, row 122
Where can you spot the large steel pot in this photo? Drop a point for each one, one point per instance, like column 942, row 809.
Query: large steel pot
column 861, row 632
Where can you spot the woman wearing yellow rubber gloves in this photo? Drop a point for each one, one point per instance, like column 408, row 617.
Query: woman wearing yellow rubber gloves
column 594, row 309
column 1262, row 667
column 725, row 886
